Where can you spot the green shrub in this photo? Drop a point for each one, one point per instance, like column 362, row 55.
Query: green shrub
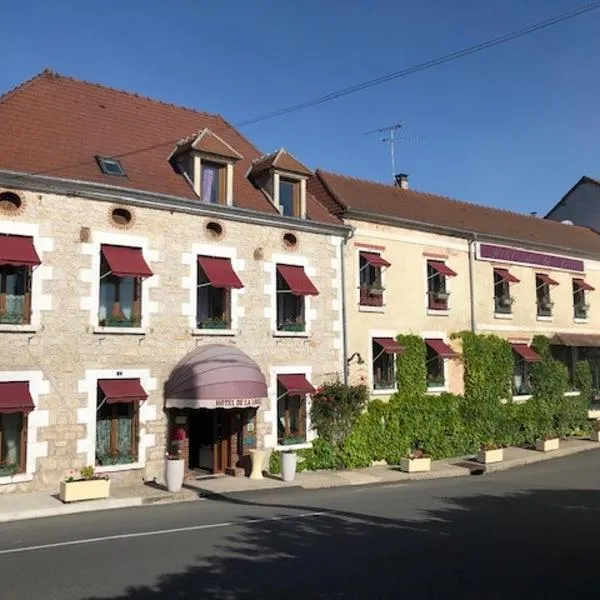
column 411, row 370
column 583, row 381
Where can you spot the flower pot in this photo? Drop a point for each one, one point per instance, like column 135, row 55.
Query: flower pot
column 86, row 489
column 175, row 469
column 288, row 465
column 415, row 465
column 376, row 291
column 490, row 456
column 595, row 436
column 258, row 457
column 547, row 445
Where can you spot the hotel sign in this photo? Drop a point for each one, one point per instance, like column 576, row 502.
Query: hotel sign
column 526, row 257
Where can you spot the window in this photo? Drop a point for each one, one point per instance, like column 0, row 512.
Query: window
column 15, row 405
column 437, row 273
column 289, row 197
column 435, row 369
column 370, row 267
column 384, row 351
column 542, row 290
column 213, row 187
column 216, row 278
column 503, row 300
column 580, row 308
column 523, row 355
column 15, row 294
column 117, row 421
column 110, row 166
column 121, row 273
column 292, row 286
column 292, row 391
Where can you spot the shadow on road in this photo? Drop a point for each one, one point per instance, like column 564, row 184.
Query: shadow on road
column 536, row 544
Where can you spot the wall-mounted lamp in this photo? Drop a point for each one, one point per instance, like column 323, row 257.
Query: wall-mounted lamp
column 359, row 359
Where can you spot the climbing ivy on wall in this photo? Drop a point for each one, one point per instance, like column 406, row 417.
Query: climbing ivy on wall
column 411, row 370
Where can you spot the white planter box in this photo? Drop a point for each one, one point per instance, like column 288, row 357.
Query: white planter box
column 490, row 456
column 595, row 436
column 90, row 489
column 547, row 445
column 415, row 465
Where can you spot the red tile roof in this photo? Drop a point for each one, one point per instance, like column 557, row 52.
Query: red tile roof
column 54, row 125
column 339, row 194
column 280, row 159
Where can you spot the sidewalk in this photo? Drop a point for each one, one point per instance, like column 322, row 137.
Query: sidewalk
column 15, row 507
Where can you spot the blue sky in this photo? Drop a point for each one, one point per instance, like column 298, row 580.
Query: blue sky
column 513, row 127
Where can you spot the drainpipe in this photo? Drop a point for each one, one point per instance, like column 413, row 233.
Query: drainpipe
column 472, row 243
column 343, row 301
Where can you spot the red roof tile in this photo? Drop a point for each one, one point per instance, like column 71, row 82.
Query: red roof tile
column 340, row 193
column 280, row 159
column 54, row 125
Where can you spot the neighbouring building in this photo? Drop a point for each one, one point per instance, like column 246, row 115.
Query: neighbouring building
column 432, row 266
column 580, row 205
column 156, row 272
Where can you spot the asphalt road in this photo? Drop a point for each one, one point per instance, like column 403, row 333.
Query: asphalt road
column 528, row 533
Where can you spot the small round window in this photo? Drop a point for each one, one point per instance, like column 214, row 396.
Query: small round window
column 290, row 240
column 121, row 217
column 10, row 202
column 214, row 229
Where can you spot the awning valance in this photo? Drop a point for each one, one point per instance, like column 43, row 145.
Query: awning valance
column 506, row 275
column 122, row 390
column 297, row 280
column 219, row 272
column 18, row 250
column 442, row 268
column 583, row 285
column 296, row 384
column 389, row 345
column 575, row 340
column 15, row 397
column 546, row 279
column 375, row 260
column 441, row 348
column 124, row 261
column 526, row 353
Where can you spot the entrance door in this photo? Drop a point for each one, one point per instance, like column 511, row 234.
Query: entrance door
column 222, row 440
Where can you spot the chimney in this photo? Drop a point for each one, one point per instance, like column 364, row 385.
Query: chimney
column 401, row 180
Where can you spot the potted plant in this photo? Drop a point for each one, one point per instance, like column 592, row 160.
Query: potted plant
column 441, row 296
column 547, row 442
column 490, row 452
column 292, row 326
column 213, row 323
column 8, row 469
column 416, row 461
column 595, row 435
column 175, row 468
column 376, row 289
column 506, row 301
column 85, row 485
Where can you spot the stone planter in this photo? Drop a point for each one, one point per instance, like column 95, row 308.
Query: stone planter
column 547, row 445
column 258, row 457
column 415, row 465
column 595, row 436
column 490, row 456
column 174, row 474
column 87, row 489
column 288, row 465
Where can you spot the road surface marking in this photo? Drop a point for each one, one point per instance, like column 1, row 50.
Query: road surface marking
column 125, row 536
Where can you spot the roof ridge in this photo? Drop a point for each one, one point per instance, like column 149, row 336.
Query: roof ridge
column 450, row 199
column 24, row 84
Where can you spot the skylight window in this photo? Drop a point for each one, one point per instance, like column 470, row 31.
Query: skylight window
column 110, row 166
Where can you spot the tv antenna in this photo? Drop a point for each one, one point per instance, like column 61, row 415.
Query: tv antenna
column 391, row 139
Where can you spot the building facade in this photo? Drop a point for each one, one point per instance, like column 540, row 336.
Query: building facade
column 191, row 287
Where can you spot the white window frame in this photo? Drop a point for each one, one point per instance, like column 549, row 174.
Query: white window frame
column 277, row 175
column 433, row 312
column 363, row 308
column 379, row 333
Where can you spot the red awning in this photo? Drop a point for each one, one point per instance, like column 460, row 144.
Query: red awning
column 125, row 261
column 442, row 349
column 375, row 260
column 583, row 285
column 122, row 390
column 526, row 353
column 220, row 273
column 15, row 397
column 546, row 279
column 297, row 280
column 506, row 275
column 389, row 345
column 441, row 268
column 18, row 250
column 296, row 385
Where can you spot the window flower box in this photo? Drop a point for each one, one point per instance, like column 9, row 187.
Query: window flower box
column 547, row 445
column 213, row 323
column 292, row 327
column 12, row 318
column 119, row 322
column 8, row 469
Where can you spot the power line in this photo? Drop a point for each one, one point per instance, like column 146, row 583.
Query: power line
column 380, row 80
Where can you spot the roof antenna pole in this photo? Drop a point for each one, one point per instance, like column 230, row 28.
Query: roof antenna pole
column 391, row 139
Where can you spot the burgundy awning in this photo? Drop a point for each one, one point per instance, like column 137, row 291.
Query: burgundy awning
column 220, row 273
column 124, row 261
column 389, row 345
column 18, row 251
column 583, row 285
column 122, row 390
column 15, row 397
column 375, row 260
column 441, row 348
column 546, row 279
column 296, row 385
column 506, row 275
column 297, row 280
column 526, row 353
column 441, row 268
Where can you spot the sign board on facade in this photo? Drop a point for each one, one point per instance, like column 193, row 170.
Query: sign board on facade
column 526, row 257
